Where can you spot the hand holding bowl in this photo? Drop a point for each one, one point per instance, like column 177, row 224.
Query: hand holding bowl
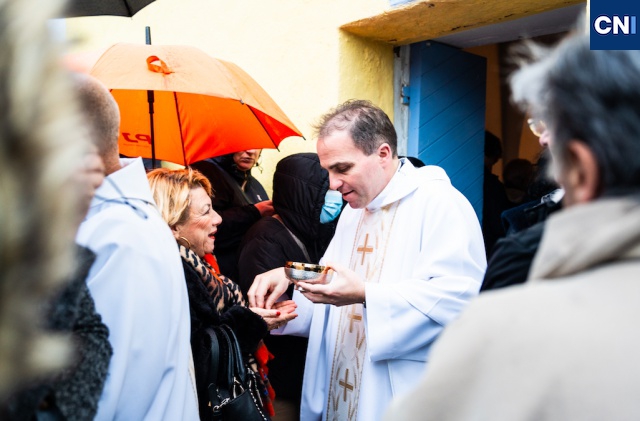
column 307, row 272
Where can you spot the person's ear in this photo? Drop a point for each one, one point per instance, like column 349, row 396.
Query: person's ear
column 175, row 230
column 582, row 172
column 384, row 151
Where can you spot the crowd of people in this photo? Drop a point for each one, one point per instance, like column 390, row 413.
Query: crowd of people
column 111, row 318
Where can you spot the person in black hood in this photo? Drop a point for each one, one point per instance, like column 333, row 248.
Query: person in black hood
column 300, row 230
column 239, row 199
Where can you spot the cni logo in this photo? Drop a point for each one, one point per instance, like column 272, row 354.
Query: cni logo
column 612, row 25
column 625, row 25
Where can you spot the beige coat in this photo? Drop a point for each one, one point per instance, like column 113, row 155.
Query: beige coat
column 566, row 347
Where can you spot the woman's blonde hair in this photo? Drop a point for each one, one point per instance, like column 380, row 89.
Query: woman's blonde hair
column 170, row 189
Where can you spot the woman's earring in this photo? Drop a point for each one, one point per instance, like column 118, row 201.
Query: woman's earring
column 188, row 243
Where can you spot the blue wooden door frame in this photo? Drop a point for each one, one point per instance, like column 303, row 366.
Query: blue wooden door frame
column 447, row 114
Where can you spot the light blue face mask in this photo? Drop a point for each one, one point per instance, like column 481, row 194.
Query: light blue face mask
column 332, row 206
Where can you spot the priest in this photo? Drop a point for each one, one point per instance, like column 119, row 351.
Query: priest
column 407, row 256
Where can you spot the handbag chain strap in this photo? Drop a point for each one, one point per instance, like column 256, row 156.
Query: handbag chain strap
column 223, row 386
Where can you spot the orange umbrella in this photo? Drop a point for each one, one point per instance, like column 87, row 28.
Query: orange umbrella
column 181, row 105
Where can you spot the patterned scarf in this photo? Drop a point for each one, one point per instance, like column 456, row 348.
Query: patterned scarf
column 224, row 294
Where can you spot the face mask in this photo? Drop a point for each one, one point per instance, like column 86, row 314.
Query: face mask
column 332, row 206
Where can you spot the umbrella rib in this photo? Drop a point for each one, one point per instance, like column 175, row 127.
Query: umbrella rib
column 184, row 153
column 261, row 125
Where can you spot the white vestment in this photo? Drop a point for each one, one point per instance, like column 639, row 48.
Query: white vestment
column 433, row 264
column 137, row 283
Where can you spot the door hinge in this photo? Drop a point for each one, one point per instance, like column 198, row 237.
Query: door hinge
column 404, row 94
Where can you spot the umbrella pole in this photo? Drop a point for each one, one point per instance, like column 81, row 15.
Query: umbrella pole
column 151, row 100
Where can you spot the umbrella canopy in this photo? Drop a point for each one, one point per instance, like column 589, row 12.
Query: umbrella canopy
column 128, row 8
column 202, row 107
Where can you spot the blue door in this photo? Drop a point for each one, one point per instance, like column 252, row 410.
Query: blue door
column 446, row 114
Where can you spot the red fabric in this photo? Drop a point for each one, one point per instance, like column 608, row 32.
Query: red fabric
column 263, row 356
column 211, row 259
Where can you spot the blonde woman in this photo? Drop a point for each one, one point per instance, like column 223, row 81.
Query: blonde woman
column 184, row 200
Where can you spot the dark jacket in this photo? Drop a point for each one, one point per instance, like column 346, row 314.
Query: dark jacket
column 75, row 393
column 299, row 188
column 234, row 206
column 248, row 327
column 512, row 255
column 512, row 258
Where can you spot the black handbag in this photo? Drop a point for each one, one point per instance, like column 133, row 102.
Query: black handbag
column 233, row 391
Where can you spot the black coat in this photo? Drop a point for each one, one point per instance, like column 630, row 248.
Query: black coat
column 234, row 206
column 512, row 258
column 512, row 255
column 495, row 202
column 299, row 188
column 76, row 391
column 248, row 327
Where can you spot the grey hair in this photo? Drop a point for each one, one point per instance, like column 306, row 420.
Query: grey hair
column 42, row 143
column 367, row 124
column 590, row 96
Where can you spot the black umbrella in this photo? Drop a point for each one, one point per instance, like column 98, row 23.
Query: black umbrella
column 128, row 8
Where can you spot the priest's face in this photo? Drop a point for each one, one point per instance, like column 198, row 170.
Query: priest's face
column 358, row 177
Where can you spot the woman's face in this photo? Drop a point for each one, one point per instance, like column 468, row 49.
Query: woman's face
column 202, row 224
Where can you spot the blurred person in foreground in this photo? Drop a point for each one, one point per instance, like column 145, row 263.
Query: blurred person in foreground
column 43, row 142
column 407, row 254
column 564, row 345
column 184, row 199
column 239, row 199
column 136, row 281
column 305, row 220
column 73, row 393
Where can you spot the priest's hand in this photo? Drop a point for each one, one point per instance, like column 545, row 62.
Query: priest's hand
column 267, row 288
column 344, row 289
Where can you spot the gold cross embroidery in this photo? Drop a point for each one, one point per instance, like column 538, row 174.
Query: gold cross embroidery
column 345, row 384
column 359, row 340
column 364, row 249
column 354, row 317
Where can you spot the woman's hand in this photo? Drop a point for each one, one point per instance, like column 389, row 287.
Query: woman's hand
column 279, row 315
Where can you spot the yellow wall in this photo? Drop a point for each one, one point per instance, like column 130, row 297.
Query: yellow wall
column 366, row 69
column 293, row 48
